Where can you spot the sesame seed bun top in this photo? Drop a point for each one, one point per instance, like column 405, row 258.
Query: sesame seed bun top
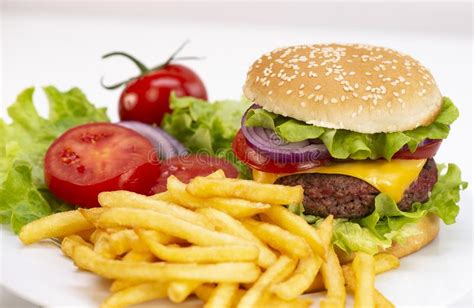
column 361, row 88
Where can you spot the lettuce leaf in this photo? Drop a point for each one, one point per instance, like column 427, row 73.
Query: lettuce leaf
column 23, row 143
column 205, row 127
column 343, row 144
column 387, row 223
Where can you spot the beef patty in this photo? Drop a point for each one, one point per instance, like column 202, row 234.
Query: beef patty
column 348, row 197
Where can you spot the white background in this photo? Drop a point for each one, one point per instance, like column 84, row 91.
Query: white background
column 61, row 42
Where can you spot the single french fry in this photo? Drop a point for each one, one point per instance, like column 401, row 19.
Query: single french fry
column 128, row 199
column 300, row 280
column 222, row 296
column 278, row 238
column 238, row 208
column 282, row 217
column 168, row 224
column 178, row 291
column 227, row 224
column 245, row 189
column 198, row 254
column 87, row 259
column 254, row 294
column 324, row 231
column 380, row 300
column 135, row 295
column 364, row 272
column 56, row 225
column 334, row 282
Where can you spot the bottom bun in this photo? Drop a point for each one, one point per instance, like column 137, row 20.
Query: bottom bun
column 429, row 229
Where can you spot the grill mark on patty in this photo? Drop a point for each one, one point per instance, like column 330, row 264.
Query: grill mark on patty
column 348, row 197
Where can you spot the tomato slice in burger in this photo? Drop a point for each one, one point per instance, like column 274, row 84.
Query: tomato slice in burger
column 189, row 166
column 261, row 162
column 427, row 149
column 92, row 158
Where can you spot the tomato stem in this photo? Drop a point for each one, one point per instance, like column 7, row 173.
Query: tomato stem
column 142, row 67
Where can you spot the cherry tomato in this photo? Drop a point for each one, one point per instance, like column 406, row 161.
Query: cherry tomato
column 189, row 166
column 146, row 99
column 261, row 162
column 92, row 158
column 425, row 151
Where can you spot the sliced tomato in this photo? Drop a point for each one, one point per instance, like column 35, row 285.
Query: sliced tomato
column 428, row 150
column 190, row 166
column 92, row 158
column 261, row 162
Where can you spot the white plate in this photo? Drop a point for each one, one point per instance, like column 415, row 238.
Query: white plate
column 438, row 275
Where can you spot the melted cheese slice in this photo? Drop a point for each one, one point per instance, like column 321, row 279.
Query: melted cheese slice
column 390, row 177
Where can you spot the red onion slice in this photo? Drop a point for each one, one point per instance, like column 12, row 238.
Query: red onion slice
column 267, row 142
column 165, row 145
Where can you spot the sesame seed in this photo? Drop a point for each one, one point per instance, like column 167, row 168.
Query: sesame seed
column 270, row 92
column 310, row 96
column 301, row 86
column 289, row 92
column 317, row 87
column 333, row 100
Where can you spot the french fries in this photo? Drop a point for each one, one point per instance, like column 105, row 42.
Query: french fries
column 197, row 254
column 333, row 279
column 300, row 280
column 136, row 294
column 254, row 294
column 238, row 208
column 230, row 242
column 178, row 291
column 364, row 272
column 56, row 225
column 278, row 238
column 225, row 223
column 244, row 189
column 222, row 296
column 87, row 259
column 129, row 199
column 383, row 262
column 280, row 216
column 168, row 224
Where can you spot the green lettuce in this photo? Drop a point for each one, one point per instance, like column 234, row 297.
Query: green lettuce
column 23, row 143
column 387, row 223
column 205, row 127
column 345, row 144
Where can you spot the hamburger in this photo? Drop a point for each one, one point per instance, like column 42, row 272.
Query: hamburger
column 357, row 127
